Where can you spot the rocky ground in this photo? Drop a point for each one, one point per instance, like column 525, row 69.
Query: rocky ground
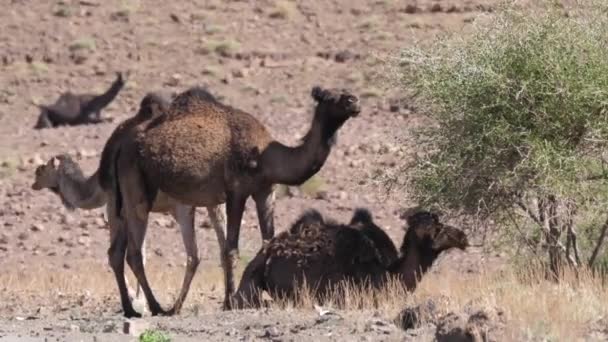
column 260, row 56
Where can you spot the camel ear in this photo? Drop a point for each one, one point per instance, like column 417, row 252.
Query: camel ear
column 319, row 94
column 421, row 230
column 54, row 162
column 44, row 108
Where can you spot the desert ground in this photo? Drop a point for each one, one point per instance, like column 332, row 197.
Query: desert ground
column 260, row 56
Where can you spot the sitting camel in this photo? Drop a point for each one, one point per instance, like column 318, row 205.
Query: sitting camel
column 321, row 253
column 77, row 109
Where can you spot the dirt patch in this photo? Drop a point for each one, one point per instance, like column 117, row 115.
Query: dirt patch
column 261, row 56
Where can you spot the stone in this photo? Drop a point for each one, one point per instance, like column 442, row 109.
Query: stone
column 135, row 327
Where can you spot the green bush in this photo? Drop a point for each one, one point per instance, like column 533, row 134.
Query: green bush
column 521, row 111
column 154, row 336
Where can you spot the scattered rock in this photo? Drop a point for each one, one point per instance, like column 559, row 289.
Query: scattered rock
column 480, row 326
column 84, row 153
column 453, row 9
column 164, row 222
column 100, row 222
column 226, row 79
column 109, row 327
column 174, row 81
column 412, row 317
column 67, row 219
column 410, row 9
column 37, row 227
column 435, row 8
column 378, row 325
column 135, row 327
column 79, row 57
column 344, row 56
column 239, row 73
column 270, row 332
column 35, row 160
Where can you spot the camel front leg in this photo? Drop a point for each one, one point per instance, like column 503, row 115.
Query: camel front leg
column 218, row 221
column 264, row 202
column 184, row 215
column 235, row 205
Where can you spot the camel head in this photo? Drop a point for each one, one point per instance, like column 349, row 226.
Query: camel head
column 335, row 105
column 152, row 105
column 435, row 235
column 47, row 175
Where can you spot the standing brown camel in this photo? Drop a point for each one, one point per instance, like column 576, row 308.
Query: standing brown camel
column 206, row 154
column 62, row 175
column 322, row 254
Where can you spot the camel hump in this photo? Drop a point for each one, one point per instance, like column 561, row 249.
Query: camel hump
column 362, row 215
column 311, row 217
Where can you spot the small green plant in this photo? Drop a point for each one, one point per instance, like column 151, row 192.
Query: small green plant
column 39, row 67
column 521, row 106
column 154, row 336
column 84, row 43
column 371, row 92
column 313, row 185
column 7, row 168
column 62, row 11
column 283, row 9
column 224, row 47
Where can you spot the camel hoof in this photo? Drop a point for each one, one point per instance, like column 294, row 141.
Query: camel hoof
column 158, row 311
column 132, row 314
column 227, row 305
column 172, row 312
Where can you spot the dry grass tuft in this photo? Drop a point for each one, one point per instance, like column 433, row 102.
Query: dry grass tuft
column 283, row 9
column 531, row 306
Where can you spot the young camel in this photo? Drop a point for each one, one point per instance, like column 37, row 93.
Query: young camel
column 64, row 177
column 322, row 254
column 208, row 154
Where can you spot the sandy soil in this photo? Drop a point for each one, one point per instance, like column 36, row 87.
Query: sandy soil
column 261, row 56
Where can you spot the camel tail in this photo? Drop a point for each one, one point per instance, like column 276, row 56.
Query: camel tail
column 115, row 182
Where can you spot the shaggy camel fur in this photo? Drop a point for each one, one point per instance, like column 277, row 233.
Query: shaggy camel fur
column 321, row 254
column 207, row 154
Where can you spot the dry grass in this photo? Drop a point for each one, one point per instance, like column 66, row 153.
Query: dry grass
column 283, row 9
column 532, row 306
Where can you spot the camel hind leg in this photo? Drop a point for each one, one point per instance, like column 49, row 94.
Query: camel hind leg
column 218, row 221
column 184, row 215
column 264, row 202
column 116, row 258
column 136, row 209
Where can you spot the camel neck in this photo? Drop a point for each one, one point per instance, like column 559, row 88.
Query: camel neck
column 412, row 265
column 101, row 101
column 294, row 165
column 77, row 191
